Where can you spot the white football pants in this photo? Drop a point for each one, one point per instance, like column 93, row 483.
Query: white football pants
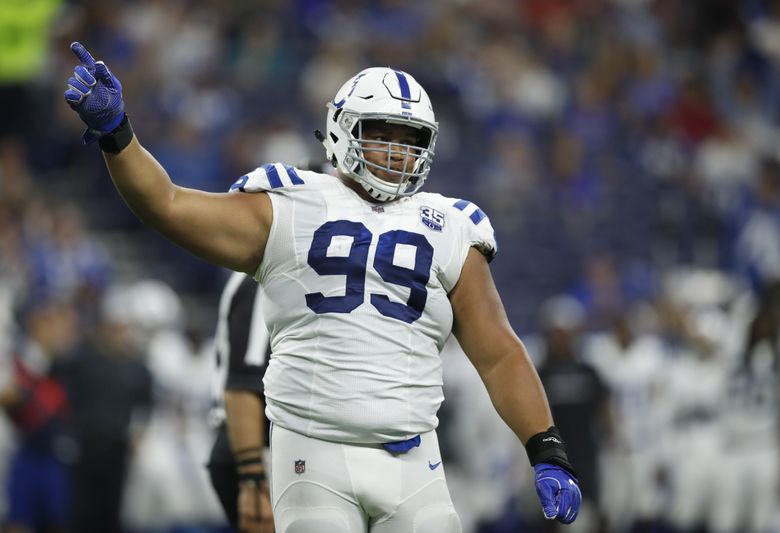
column 327, row 487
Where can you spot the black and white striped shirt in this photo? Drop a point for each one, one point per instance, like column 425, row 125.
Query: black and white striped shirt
column 241, row 341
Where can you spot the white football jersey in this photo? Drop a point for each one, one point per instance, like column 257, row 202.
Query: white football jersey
column 356, row 304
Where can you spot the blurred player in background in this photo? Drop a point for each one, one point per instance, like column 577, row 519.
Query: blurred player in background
column 110, row 389
column 578, row 396
column 691, row 405
column 167, row 486
column 632, row 363
column 364, row 280
column 34, row 398
column 746, row 498
column 237, row 465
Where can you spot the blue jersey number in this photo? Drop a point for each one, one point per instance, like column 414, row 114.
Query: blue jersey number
column 354, row 264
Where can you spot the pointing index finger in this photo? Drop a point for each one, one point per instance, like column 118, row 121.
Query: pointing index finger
column 84, row 56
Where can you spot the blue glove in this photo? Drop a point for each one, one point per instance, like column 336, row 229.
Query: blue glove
column 558, row 491
column 95, row 94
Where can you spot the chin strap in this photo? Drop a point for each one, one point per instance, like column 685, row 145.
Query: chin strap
column 328, row 147
column 383, row 197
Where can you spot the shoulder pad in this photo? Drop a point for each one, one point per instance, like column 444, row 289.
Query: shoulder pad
column 268, row 177
column 479, row 230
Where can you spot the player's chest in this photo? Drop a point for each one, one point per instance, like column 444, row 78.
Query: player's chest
column 400, row 236
column 385, row 257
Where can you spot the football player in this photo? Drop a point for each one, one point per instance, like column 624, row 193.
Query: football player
column 364, row 279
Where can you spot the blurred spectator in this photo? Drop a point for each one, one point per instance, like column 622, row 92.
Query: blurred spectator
column 63, row 258
column 757, row 248
column 601, row 291
column 578, row 398
column 13, row 269
column 724, row 163
column 24, row 35
column 651, row 89
column 110, row 390
column 7, row 445
column 692, row 116
column 35, row 400
column 510, row 175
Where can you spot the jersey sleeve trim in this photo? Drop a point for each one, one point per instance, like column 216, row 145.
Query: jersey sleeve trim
column 267, row 178
column 486, row 246
column 477, row 215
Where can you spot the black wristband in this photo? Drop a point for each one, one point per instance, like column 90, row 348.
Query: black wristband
column 118, row 139
column 548, row 447
column 255, row 479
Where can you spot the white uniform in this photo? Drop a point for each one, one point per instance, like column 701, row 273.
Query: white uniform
column 357, row 309
column 356, row 304
column 746, row 499
column 635, row 374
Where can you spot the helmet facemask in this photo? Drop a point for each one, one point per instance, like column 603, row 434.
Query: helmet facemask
column 375, row 98
column 401, row 168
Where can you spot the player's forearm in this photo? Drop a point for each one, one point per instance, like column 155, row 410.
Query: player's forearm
column 143, row 183
column 517, row 394
column 245, row 417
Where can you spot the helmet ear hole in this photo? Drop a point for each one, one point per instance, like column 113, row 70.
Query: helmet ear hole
column 424, row 138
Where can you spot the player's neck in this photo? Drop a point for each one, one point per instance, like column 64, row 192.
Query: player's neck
column 358, row 188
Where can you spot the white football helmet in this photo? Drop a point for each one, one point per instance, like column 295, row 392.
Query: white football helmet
column 388, row 95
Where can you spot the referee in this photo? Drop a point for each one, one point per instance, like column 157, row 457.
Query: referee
column 236, row 465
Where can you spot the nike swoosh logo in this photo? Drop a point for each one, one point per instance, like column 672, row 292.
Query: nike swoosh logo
column 433, row 466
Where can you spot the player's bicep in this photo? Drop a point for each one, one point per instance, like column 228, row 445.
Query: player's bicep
column 230, row 230
column 480, row 322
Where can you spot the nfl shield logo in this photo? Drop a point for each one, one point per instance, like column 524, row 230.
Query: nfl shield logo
column 300, row 466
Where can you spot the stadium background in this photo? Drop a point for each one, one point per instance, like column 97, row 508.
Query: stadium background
column 625, row 150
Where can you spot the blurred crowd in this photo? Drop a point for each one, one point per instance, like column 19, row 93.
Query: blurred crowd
column 626, row 152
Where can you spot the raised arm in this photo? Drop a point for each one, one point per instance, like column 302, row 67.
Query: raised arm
column 226, row 229
column 487, row 338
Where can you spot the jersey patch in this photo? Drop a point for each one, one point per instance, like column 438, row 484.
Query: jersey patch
column 432, row 218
